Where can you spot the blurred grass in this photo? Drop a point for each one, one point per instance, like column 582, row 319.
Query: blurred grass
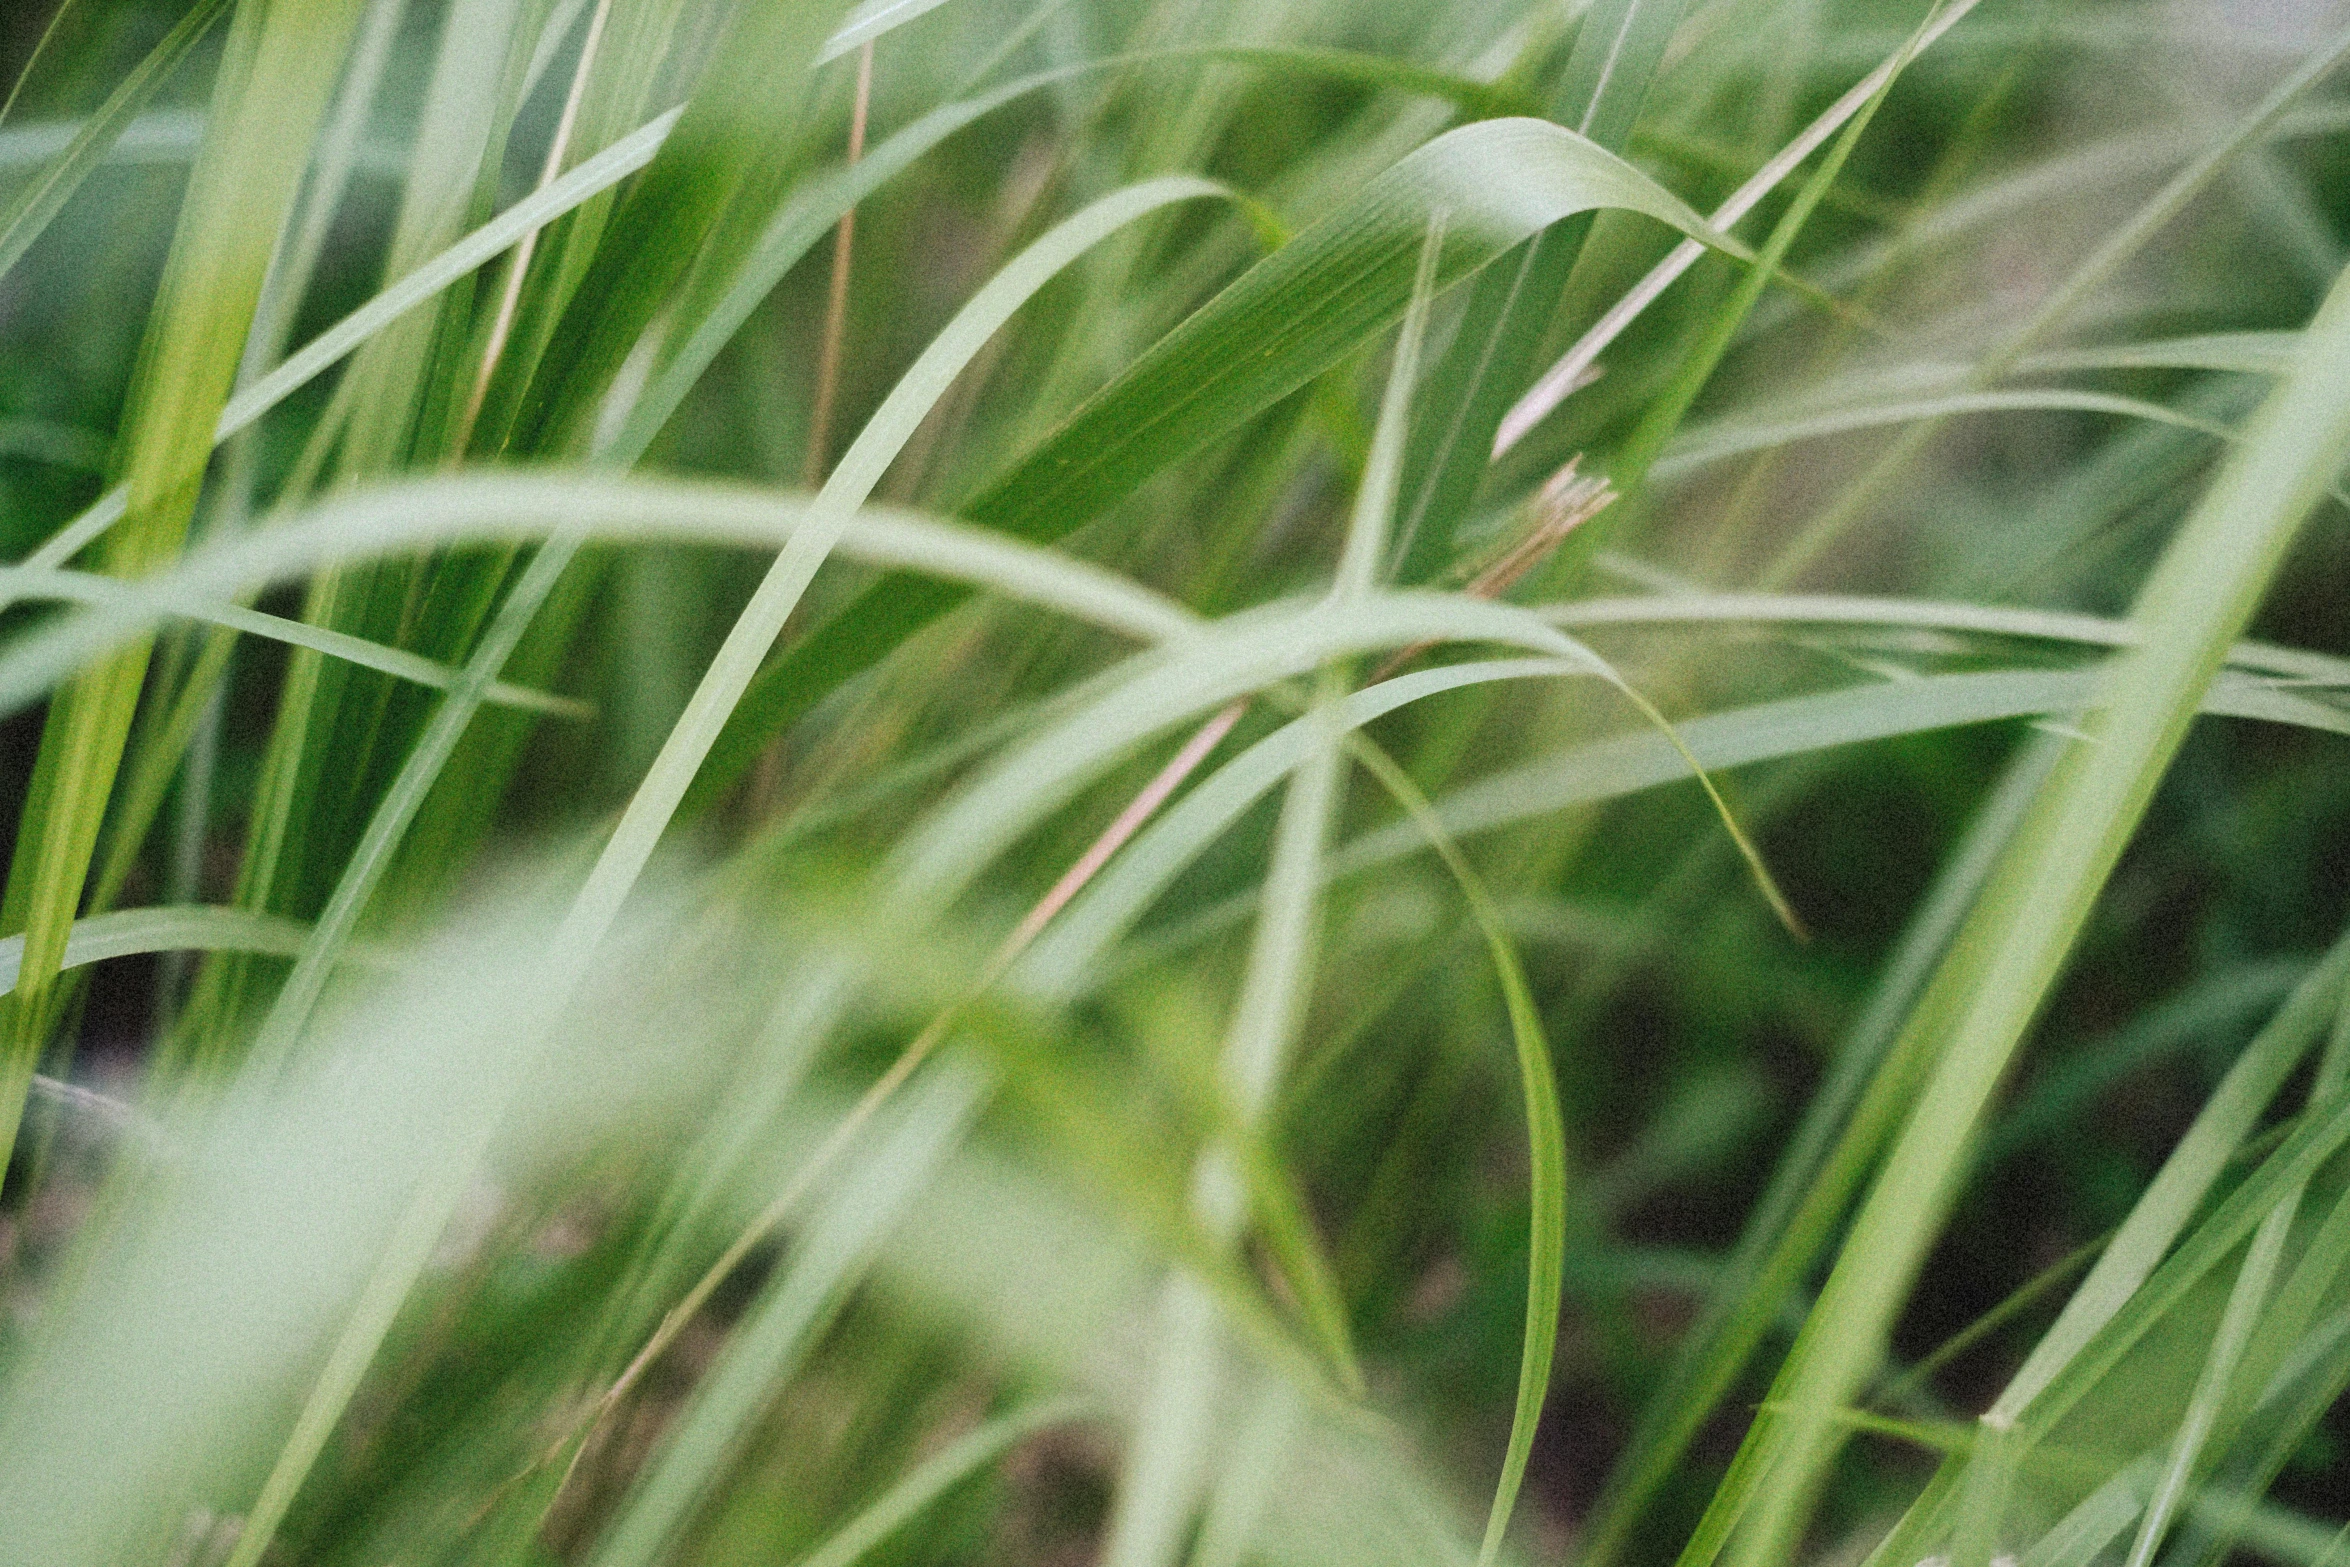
column 550, row 1016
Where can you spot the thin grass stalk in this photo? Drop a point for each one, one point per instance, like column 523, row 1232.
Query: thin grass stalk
column 836, row 298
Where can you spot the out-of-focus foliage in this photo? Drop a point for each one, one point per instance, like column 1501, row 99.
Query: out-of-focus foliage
column 1032, row 781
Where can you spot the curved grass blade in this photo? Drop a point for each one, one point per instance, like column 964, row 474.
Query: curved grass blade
column 1242, row 654
column 1573, row 367
column 1844, row 609
column 511, row 508
column 810, row 214
column 1072, row 949
column 1619, row 49
column 1283, row 322
column 125, row 933
column 1713, row 443
column 1546, row 1145
column 1607, row 769
column 2242, row 353
column 78, row 587
column 860, row 468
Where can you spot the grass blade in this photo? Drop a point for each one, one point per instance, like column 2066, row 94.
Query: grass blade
column 29, row 212
column 275, row 83
column 1285, row 321
column 1985, row 995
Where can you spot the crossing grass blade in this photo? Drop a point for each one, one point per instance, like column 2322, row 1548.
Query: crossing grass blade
column 1982, row 999
column 1285, row 321
column 30, row 210
column 1618, row 51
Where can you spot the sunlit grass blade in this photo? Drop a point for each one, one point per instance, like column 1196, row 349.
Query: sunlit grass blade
column 274, row 84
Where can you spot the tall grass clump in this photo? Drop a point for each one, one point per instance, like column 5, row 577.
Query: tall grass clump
column 1170, row 781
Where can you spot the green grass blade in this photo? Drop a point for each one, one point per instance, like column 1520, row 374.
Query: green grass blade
column 1630, row 467
column 2240, row 353
column 582, row 183
column 29, row 211
column 2096, row 1523
column 275, row 83
column 1706, row 445
column 1075, row 946
column 144, row 600
column 126, row 933
column 1836, row 609
column 2178, row 1190
column 967, row 1455
column 1562, row 378
column 1792, row 1224
column 1282, row 323
column 1236, row 656
column 870, row 20
column 1546, row 1149
column 2202, row 592
column 1164, row 1463
column 1619, row 49
column 389, row 521
column 776, row 1335
column 860, row 468
column 1609, row 769
column 735, row 146
column 2213, row 1386
column 811, row 213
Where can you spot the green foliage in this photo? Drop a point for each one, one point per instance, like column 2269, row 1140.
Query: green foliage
column 1257, row 930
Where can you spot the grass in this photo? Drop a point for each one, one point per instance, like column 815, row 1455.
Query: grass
column 1161, row 781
